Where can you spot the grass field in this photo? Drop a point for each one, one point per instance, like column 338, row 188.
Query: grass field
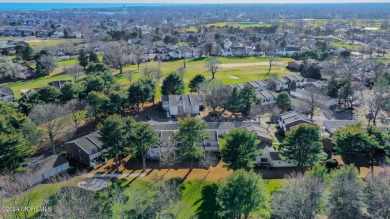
column 347, row 46
column 193, row 66
column 38, row 43
column 197, row 196
column 239, row 24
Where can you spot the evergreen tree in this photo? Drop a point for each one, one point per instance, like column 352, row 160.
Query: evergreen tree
column 83, row 58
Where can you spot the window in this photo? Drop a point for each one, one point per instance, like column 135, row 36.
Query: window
column 208, row 144
column 179, row 144
column 93, row 151
column 264, row 160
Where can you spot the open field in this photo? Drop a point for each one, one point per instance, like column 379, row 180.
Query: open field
column 370, row 23
column 240, row 24
column 197, row 193
column 38, row 43
column 347, row 46
column 237, row 70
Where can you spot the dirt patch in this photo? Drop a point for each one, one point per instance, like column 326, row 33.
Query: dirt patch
column 234, row 77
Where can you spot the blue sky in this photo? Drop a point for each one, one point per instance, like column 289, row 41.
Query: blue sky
column 193, row 1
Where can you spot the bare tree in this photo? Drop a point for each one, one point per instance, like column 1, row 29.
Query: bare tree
column 378, row 195
column 13, row 70
column 149, row 72
column 73, row 202
column 52, row 118
column 116, row 54
column 314, row 101
column 74, row 71
column 217, row 94
column 76, row 108
column 378, row 100
column 212, row 66
column 15, row 196
column 181, row 71
column 138, row 54
column 48, row 62
column 300, row 198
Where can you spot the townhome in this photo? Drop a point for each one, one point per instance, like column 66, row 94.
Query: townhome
column 188, row 104
column 290, row 119
column 6, row 94
column 266, row 97
column 258, row 85
column 215, row 130
column 280, row 83
column 87, row 150
column 298, row 79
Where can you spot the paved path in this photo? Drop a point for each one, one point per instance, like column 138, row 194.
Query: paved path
column 114, row 175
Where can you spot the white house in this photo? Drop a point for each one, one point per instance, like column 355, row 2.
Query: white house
column 266, row 97
column 226, row 52
column 227, row 44
column 6, row 94
column 189, row 104
column 47, row 168
column 288, row 51
column 271, row 157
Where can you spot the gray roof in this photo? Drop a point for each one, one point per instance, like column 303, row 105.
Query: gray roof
column 293, row 48
column 46, row 165
column 6, row 90
column 275, row 155
column 184, row 100
column 334, row 124
column 262, row 83
column 88, row 142
column 293, row 116
column 267, row 94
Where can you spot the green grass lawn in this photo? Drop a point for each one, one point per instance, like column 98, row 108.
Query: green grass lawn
column 41, row 43
column 239, row 24
column 347, row 46
column 193, row 67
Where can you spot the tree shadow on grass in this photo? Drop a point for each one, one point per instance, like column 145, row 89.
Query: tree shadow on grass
column 208, row 204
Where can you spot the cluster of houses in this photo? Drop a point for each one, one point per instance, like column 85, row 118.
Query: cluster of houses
column 10, row 45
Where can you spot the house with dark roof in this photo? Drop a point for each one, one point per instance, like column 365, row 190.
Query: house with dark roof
column 58, row 84
column 49, row 167
column 294, row 65
column 261, row 132
column 272, row 158
column 6, row 94
column 87, row 150
column 186, row 104
column 290, row 119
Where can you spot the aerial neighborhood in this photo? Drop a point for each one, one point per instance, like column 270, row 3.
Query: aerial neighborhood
column 167, row 111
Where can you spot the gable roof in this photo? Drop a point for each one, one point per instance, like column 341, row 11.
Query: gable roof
column 6, row 90
column 293, row 116
column 46, row 165
column 184, row 100
column 332, row 125
column 88, row 142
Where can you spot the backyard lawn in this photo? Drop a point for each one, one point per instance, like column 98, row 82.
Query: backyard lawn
column 38, row 43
